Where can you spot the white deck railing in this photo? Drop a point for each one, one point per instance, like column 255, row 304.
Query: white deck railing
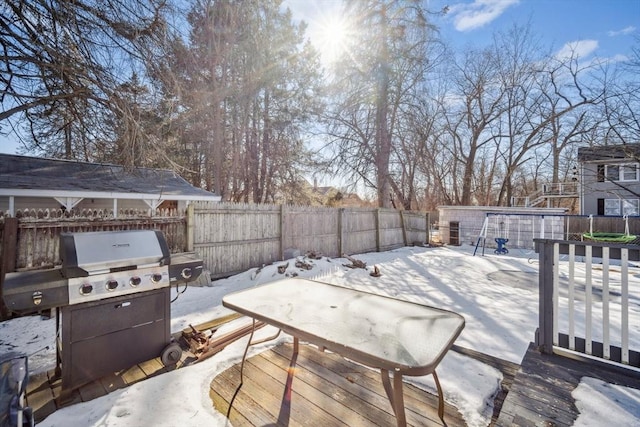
column 589, row 297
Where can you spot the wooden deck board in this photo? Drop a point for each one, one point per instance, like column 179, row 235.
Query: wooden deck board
column 333, row 398
column 371, row 390
column 329, row 390
column 301, row 384
column 40, row 395
column 325, row 390
column 541, row 391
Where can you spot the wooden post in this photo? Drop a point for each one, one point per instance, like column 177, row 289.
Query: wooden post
column 282, row 230
column 378, row 229
column 544, row 334
column 190, row 227
column 404, row 228
column 9, row 251
column 428, row 228
column 340, row 230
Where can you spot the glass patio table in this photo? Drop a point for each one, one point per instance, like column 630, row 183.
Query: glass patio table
column 392, row 335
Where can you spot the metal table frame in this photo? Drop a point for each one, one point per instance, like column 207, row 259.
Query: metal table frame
column 293, row 306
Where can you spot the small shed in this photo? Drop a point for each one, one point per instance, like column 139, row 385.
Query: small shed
column 44, row 183
column 466, row 224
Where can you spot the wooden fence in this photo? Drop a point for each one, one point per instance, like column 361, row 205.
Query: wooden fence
column 577, row 225
column 35, row 243
column 232, row 238
column 229, row 237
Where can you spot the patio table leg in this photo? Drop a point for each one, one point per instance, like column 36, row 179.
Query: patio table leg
column 250, row 343
column 395, row 395
column 440, row 398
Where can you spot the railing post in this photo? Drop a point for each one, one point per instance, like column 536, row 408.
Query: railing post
column 544, row 334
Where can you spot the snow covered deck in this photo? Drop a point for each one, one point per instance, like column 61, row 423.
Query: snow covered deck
column 541, row 393
column 335, row 391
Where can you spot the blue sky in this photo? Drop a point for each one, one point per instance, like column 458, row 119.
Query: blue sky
column 594, row 28
column 602, row 28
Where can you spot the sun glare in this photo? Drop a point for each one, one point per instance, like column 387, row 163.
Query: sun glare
column 332, row 36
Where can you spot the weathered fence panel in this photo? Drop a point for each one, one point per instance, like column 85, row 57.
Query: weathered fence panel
column 235, row 237
column 359, row 230
column 576, row 225
column 416, row 225
column 307, row 228
column 230, row 237
column 38, row 237
column 391, row 232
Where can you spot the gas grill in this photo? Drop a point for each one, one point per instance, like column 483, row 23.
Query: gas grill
column 112, row 297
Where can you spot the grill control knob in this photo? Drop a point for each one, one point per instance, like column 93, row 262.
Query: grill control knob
column 111, row 285
column 135, row 281
column 86, row 289
column 156, row 277
column 187, row 273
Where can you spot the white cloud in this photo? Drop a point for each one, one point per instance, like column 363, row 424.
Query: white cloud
column 577, row 49
column 467, row 17
column 623, row 32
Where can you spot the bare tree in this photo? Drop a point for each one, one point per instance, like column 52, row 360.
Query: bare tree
column 246, row 86
column 473, row 117
column 62, row 64
column 376, row 80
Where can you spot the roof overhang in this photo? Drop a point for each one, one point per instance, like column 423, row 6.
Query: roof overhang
column 9, row 192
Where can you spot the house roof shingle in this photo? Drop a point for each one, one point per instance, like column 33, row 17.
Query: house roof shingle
column 53, row 175
column 609, row 152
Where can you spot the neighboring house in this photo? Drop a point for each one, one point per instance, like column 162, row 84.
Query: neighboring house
column 331, row 196
column 610, row 180
column 42, row 183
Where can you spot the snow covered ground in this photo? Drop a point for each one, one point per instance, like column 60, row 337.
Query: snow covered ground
column 497, row 295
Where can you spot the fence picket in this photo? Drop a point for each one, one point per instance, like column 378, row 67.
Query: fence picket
column 571, row 297
column 606, row 339
column 588, row 300
column 624, row 268
column 556, row 277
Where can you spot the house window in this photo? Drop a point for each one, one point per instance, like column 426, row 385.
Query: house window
column 612, row 172
column 629, row 172
column 601, row 173
column 630, row 207
column 616, row 207
column 626, row 172
column 612, row 207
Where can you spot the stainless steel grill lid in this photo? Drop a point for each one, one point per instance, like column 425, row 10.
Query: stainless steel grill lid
column 100, row 265
column 98, row 252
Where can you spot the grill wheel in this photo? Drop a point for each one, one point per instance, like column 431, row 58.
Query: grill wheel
column 171, row 354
